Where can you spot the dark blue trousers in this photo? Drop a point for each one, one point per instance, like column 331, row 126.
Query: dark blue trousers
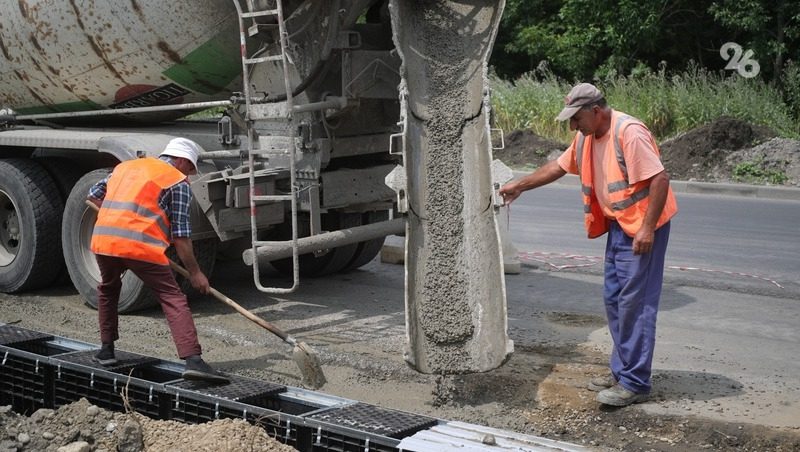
column 631, row 292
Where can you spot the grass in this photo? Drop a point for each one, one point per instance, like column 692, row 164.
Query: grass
column 668, row 104
column 753, row 172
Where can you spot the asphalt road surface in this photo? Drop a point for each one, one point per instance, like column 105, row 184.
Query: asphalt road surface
column 736, row 234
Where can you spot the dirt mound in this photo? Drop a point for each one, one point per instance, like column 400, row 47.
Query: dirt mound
column 83, row 427
column 524, row 148
column 776, row 161
column 702, row 153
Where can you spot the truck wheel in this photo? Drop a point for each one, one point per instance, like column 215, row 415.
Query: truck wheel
column 367, row 250
column 77, row 230
column 332, row 261
column 65, row 174
column 30, row 213
column 64, row 171
column 205, row 252
column 341, row 256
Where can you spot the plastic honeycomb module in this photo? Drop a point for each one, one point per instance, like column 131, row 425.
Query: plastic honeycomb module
column 10, row 334
column 125, row 360
column 240, row 389
column 373, row 419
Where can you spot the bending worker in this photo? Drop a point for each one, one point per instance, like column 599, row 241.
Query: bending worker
column 626, row 193
column 144, row 205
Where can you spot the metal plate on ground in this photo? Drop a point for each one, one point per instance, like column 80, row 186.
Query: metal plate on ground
column 239, row 389
column 10, row 334
column 373, row 419
column 125, row 360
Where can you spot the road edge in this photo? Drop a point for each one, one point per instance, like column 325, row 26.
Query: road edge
column 710, row 188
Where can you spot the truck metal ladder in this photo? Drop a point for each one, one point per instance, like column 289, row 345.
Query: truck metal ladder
column 284, row 145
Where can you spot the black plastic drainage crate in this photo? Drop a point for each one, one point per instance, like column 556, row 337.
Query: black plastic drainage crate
column 25, row 375
column 136, row 377
column 349, row 423
column 41, row 371
column 256, row 401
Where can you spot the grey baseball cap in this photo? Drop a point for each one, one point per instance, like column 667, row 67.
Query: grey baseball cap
column 580, row 95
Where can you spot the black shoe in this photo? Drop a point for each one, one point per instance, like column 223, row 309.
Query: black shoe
column 197, row 369
column 105, row 357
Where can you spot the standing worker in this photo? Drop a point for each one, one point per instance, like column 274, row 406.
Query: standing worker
column 144, row 205
column 626, row 193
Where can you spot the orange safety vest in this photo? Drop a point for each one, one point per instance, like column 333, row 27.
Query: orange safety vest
column 130, row 223
column 629, row 202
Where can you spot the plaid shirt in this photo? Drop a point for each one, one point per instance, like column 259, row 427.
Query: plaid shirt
column 175, row 201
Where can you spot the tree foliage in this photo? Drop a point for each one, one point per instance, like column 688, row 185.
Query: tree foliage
column 583, row 39
column 770, row 28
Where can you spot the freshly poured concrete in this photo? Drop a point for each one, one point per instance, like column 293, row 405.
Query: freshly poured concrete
column 455, row 296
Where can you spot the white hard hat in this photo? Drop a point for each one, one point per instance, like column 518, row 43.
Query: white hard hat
column 182, row 147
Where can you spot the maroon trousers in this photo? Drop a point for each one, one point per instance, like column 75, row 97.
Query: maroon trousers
column 160, row 280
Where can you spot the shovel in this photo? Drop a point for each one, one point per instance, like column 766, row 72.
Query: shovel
column 302, row 354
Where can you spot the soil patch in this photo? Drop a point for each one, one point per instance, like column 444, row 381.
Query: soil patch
column 83, row 427
column 724, row 150
column 567, row 410
column 525, row 149
column 703, row 153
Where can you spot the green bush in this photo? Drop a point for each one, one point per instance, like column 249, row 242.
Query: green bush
column 530, row 103
column 791, row 87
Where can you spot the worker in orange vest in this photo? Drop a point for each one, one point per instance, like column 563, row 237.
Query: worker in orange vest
column 626, row 193
column 144, row 207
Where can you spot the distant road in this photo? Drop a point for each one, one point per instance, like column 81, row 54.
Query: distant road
column 737, row 234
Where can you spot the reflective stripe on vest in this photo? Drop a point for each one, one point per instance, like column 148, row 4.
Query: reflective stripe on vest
column 128, row 234
column 618, row 147
column 141, row 211
column 631, row 200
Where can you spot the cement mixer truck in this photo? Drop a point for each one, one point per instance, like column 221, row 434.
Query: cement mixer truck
column 337, row 123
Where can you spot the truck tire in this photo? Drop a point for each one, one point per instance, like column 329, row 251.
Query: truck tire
column 30, row 215
column 64, row 171
column 334, row 260
column 367, row 250
column 65, row 174
column 77, row 230
column 341, row 256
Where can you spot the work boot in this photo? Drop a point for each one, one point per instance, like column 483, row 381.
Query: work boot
column 619, row 396
column 597, row 384
column 105, row 357
column 197, row 369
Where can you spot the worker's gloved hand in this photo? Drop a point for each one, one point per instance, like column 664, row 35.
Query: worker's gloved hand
column 200, row 282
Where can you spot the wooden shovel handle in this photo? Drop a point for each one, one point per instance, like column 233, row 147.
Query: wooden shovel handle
column 228, row 301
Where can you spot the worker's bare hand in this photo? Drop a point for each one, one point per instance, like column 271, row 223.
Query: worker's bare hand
column 509, row 192
column 200, row 283
column 643, row 241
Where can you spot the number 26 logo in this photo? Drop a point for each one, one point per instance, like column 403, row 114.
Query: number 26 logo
column 745, row 65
